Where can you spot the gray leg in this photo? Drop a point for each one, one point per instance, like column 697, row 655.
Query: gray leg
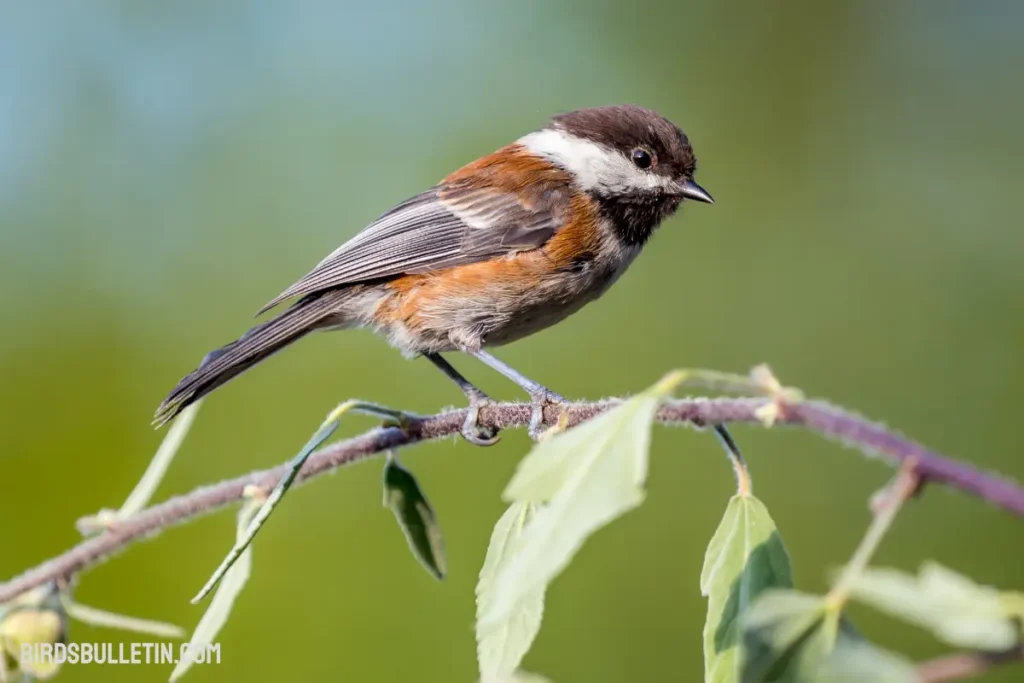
column 471, row 429
column 540, row 395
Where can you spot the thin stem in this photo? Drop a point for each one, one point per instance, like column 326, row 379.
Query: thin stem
column 831, row 422
column 744, row 485
column 904, row 486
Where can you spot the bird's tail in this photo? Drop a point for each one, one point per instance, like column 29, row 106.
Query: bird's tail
column 220, row 366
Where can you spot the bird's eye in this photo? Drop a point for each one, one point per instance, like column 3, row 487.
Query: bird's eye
column 641, row 158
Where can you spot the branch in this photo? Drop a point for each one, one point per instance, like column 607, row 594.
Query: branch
column 868, row 437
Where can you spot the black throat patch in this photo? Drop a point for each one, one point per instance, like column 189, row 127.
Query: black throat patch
column 634, row 218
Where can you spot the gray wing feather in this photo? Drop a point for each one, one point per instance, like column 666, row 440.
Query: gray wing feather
column 439, row 228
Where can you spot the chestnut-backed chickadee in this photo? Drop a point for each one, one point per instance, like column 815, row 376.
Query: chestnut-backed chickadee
column 505, row 246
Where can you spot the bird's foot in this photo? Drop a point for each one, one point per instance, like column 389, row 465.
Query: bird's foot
column 540, row 401
column 474, row 432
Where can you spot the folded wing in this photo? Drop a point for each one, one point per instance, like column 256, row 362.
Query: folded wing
column 451, row 224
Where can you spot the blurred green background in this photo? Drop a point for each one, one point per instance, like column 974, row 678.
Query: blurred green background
column 168, row 167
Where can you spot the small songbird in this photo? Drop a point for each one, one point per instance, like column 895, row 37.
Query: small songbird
column 504, row 247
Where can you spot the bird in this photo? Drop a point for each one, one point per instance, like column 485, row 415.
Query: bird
column 506, row 246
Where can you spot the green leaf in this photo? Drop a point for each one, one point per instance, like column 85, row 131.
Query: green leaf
column 154, row 474
column 787, row 637
column 527, row 677
column 856, row 661
column 99, row 617
column 518, row 677
column 231, row 585
column 950, row 605
column 150, row 480
column 589, row 476
column 745, row 557
column 415, row 517
column 501, row 646
column 261, row 515
column 292, row 469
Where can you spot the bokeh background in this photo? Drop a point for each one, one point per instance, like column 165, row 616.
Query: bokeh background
column 168, row 167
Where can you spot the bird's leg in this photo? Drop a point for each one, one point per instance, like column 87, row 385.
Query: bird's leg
column 472, row 430
column 540, row 395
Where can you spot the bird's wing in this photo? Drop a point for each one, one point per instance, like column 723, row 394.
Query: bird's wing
column 459, row 221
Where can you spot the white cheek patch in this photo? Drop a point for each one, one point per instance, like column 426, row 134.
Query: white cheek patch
column 596, row 167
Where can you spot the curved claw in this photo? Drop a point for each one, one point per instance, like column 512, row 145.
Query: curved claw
column 475, row 433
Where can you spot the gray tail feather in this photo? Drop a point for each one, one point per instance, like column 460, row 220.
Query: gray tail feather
column 262, row 341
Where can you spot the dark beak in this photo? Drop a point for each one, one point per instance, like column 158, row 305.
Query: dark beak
column 692, row 190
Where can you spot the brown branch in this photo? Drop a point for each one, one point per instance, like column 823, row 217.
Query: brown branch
column 868, row 437
column 963, row 665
